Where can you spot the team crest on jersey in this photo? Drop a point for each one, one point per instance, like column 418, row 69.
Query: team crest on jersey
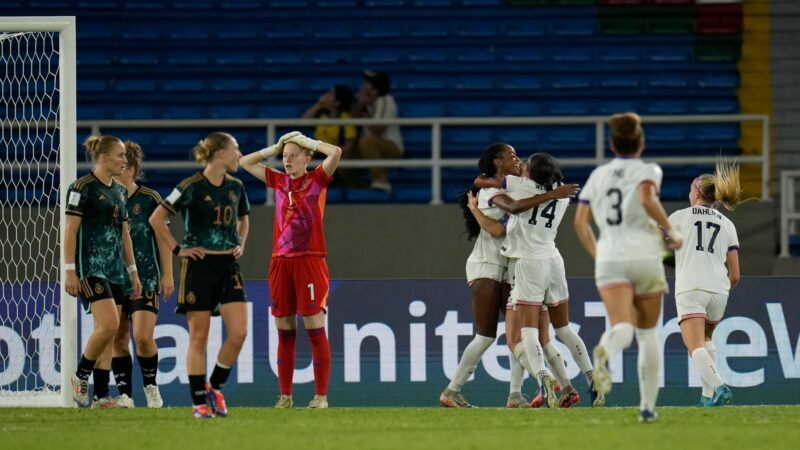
column 191, row 298
column 101, row 197
column 232, row 196
column 137, row 209
column 98, row 288
column 207, row 198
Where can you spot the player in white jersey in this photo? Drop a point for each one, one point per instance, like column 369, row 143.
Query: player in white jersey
column 539, row 272
column 486, row 273
column 622, row 195
column 702, row 280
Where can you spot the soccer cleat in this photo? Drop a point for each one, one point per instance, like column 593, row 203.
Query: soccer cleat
column 569, row 397
column 318, row 402
column 705, row 402
column 217, row 401
column 647, row 416
column 80, row 392
column 722, row 396
column 105, row 403
column 153, row 396
column 517, row 400
column 453, row 399
column 123, row 401
column 548, row 389
column 201, row 412
column 601, row 377
column 284, row 402
column 598, row 399
column 538, row 401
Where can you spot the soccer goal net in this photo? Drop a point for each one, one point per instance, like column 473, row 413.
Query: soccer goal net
column 38, row 343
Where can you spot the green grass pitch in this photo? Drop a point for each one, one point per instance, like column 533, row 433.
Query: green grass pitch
column 680, row 428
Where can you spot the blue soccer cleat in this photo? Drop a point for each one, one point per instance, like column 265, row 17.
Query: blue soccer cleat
column 646, row 416
column 722, row 396
column 705, row 402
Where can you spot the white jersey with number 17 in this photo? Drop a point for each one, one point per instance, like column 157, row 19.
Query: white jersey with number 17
column 708, row 237
column 626, row 231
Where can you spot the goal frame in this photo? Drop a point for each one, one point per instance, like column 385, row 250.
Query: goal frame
column 67, row 166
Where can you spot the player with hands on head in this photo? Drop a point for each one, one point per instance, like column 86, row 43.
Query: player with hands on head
column 298, row 274
column 622, row 195
column 702, row 281
column 141, row 311
column 216, row 225
column 97, row 254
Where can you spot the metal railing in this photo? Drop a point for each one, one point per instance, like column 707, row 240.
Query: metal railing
column 436, row 162
column 790, row 215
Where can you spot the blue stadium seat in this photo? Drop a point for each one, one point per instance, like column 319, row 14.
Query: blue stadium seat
column 85, row 112
column 669, row 135
column 380, row 56
column 139, row 85
column 729, row 81
column 526, row 29
column 521, row 83
column 425, row 84
column 138, row 59
column 193, row 5
column 288, row 4
column 183, row 112
column 473, row 108
column 476, row 55
column 239, row 5
column 385, row 30
column 278, row 111
column 141, row 32
column 129, row 111
column 666, row 107
column 572, row 55
column 332, row 57
column 384, row 3
column 281, row 85
column 668, row 81
column 467, row 135
column 188, row 32
column 476, row 30
column 280, row 58
column 432, row 3
column 716, row 132
column 337, row 3
column 608, row 107
column 620, row 81
column 90, row 31
column 523, row 137
column 474, row 83
column 669, row 54
column 232, row 85
column 91, row 86
column 715, row 107
column 420, row 109
column 236, row 59
column 331, row 32
column 523, row 55
column 571, row 82
column 230, row 112
column 242, row 32
column 184, row 85
column 292, row 33
column 428, row 55
column 187, row 59
column 429, row 30
column 576, row 26
column 569, row 108
column 96, row 58
column 619, row 55
column 521, row 108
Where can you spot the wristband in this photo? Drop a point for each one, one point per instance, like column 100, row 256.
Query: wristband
column 69, row 266
column 131, row 268
column 177, row 249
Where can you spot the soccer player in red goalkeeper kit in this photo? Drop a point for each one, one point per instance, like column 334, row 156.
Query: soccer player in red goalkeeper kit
column 298, row 274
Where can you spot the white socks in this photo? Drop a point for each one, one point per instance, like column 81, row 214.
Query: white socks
column 522, row 358
column 578, row 349
column 530, row 339
column 517, row 373
column 706, row 365
column 556, row 364
column 649, row 365
column 617, row 338
column 469, row 361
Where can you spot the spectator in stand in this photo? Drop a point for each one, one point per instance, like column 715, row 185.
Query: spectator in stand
column 378, row 141
column 336, row 103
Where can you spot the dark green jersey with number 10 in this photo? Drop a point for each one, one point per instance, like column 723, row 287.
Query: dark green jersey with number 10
column 210, row 212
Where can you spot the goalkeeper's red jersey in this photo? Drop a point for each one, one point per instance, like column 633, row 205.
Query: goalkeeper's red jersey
column 299, row 210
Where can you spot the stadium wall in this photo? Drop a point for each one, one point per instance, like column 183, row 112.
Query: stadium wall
column 393, row 241
column 397, row 342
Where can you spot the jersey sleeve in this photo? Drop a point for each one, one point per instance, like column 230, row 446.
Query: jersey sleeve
column 585, row 196
column 76, row 200
column 487, row 208
column 321, row 177
column 734, row 243
column 178, row 200
column 650, row 173
column 244, row 202
column 271, row 177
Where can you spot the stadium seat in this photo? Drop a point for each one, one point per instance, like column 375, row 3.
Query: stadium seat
column 235, row 59
column 425, row 30
column 232, row 85
column 184, row 85
column 336, row 3
column 418, row 109
column 521, row 108
column 380, row 56
column 666, row 107
column 390, row 30
column 476, row 55
column 523, row 55
column 716, row 107
column 526, row 29
column 475, row 83
column 569, row 108
column 281, row 85
column 726, row 81
column 428, row 55
column 279, row 58
column 91, row 86
column 230, row 112
column 138, row 59
column 474, row 108
column 425, row 84
column 668, row 81
column 521, row 83
column 131, row 86
column 182, row 112
column 239, row 5
column 331, row 32
column 142, row 32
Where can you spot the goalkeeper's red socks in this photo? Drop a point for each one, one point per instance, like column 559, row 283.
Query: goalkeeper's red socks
column 321, row 357
column 286, row 341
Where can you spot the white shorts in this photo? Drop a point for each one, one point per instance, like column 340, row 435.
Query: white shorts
column 540, row 281
column 697, row 303
column 478, row 270
column 646, row 276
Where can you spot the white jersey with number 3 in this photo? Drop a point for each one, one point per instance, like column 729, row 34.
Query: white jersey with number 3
column 626, row 231
column 531, row 234
column 708, row 237
column 487, row 248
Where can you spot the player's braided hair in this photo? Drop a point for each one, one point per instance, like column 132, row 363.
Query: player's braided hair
column 544, row 170
column 488, row 170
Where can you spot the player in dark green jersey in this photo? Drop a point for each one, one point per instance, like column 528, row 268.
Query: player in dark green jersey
column 215, row 210
column 142, row 310
column 96, row 237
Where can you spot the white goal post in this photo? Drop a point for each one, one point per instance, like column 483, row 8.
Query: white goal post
column 38, row 319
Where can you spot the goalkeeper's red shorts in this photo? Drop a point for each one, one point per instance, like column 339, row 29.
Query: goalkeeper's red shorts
column 298, row 285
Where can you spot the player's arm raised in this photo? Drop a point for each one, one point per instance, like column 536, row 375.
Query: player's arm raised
column 252, row 161
column 333, row 154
